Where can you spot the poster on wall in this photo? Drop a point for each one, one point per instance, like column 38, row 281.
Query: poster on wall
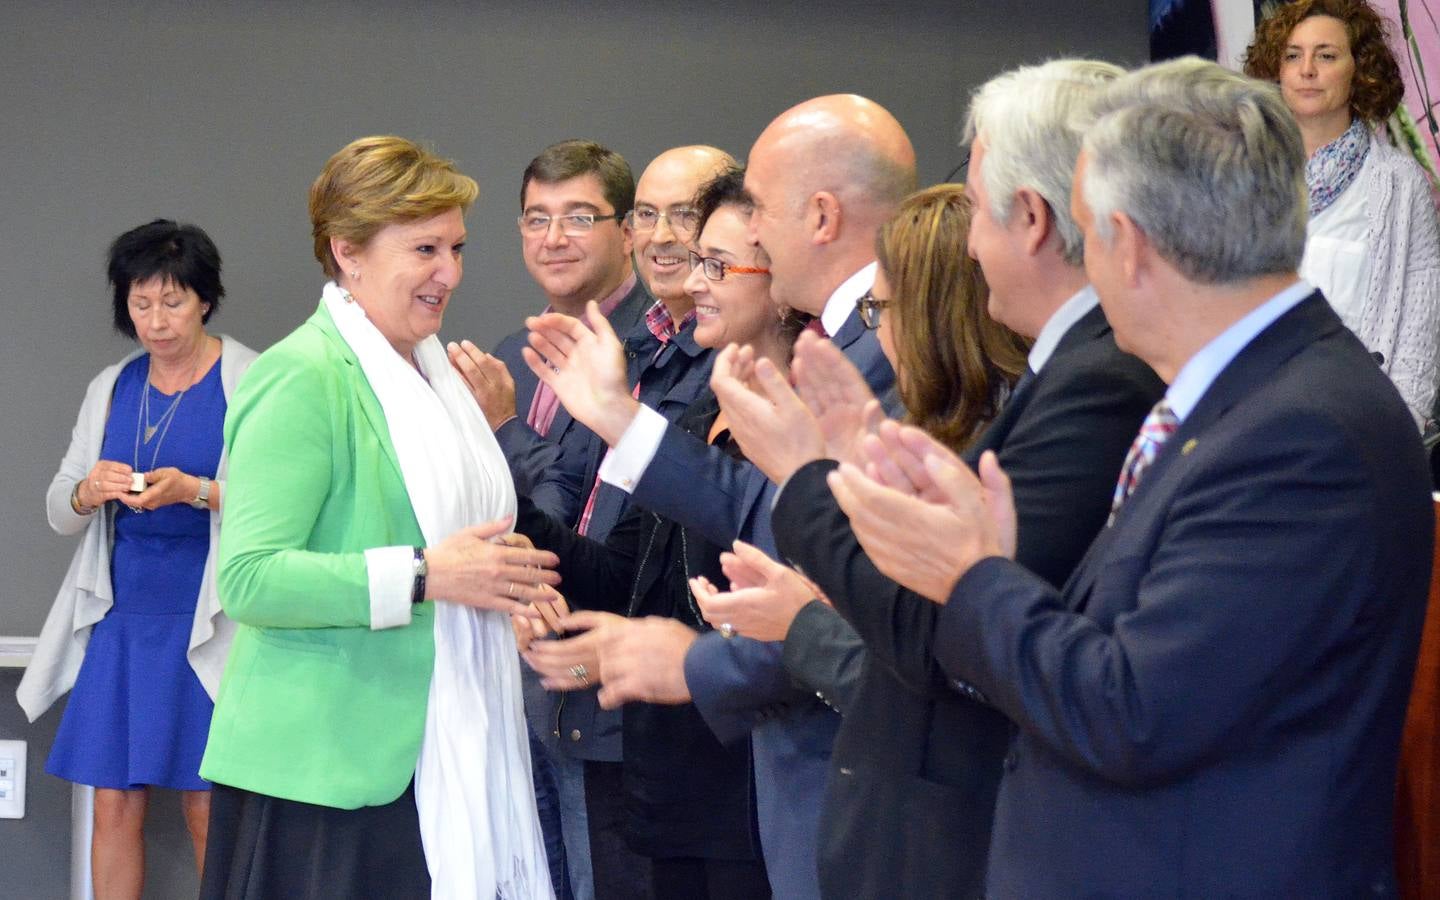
column 1214, row 29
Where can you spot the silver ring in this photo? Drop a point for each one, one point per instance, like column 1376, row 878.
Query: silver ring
column 580, row 673
column 95, row 483
column 510, row 589
column 727, row 631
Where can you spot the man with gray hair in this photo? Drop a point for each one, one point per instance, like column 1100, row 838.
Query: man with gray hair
column 1212, row 705
column 901, row 818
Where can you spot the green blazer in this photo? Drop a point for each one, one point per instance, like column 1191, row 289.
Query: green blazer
column 314, row 705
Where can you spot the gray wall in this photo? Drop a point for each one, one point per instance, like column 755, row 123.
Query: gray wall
column 222, row 113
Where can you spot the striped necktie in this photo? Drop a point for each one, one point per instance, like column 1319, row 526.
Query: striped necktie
column 1157, row 428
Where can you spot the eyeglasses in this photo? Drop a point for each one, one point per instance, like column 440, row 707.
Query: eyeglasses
column 682, row 219
column 715, row 269
column 869, row 307
column 571, row 224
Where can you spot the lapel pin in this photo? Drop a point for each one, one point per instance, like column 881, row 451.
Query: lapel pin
column 1188, row 446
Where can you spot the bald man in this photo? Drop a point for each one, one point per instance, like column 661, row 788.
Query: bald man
column 824, row 176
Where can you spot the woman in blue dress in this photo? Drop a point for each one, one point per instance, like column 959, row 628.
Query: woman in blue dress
column 136, row 632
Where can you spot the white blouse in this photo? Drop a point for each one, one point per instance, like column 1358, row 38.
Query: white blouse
column 1335, row 259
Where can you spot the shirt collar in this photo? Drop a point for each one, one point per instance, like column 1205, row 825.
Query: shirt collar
column 612, row 299
column 1060, row 321
column 842, row 302
column 662, row 325
column 1196, row 376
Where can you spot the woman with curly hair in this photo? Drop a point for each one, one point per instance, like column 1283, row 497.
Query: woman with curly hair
column 1372, row 245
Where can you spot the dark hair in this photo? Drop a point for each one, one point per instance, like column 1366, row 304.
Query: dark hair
column 571, row 159
column 954, row 364
column 727, row 188
column 1375, row 89
column 183, row 254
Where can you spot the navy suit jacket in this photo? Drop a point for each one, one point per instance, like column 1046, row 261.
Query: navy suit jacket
column 912, row 784
column 741, row 684
column 551, row 470
column 671, row 377
column 556, row 472
column 1213, row 705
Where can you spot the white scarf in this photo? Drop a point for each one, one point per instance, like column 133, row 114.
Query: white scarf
column 473, row 785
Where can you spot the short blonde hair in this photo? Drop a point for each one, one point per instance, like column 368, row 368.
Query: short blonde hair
column 376, row 181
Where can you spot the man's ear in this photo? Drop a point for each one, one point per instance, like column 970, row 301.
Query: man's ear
column 823, row 216
column 1031, row 213
column 627, row 235
column 1132, row 248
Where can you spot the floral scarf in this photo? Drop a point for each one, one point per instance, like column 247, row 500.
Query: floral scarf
column 1331, row 169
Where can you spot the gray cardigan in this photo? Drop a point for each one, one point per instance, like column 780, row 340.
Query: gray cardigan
column 85, row 595
column 1399, row 314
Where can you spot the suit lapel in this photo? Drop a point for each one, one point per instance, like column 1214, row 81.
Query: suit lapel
column 1091, row 327
column 525, row 386
column 1311, row 320
column 365, row 397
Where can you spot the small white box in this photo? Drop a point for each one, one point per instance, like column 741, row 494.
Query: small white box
column 12, row 779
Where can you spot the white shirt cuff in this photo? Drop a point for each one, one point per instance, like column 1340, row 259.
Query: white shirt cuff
column 627, row 461
column 391, row 571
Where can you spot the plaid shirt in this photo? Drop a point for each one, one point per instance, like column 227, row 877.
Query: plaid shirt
column 662, row 326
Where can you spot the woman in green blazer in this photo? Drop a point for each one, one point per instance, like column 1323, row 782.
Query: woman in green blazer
column 366, row 742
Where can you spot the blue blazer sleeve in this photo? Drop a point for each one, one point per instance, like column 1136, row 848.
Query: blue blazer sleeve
column 704, row 488
column 737, row 682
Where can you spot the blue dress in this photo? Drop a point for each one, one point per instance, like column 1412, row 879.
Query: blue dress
column 138, row 714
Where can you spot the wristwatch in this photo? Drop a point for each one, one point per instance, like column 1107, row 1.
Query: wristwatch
column 202, row 499
column 421, row 569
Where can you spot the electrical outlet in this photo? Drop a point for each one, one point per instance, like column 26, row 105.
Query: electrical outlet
column 12, row 779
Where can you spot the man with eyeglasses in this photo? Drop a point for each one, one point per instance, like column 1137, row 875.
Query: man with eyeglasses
column 824, row 176
column 667, row 369
column 574, row 199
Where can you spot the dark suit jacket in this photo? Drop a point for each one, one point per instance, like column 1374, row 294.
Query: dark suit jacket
column 551, row 469
column 912, row 783
column 1212, row 706
column 670, row 378
column 741, row 684
column 556, row 472
column 687, row 795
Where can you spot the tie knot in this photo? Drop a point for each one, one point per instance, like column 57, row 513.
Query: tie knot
column 1157, row 428
column 1160, row 424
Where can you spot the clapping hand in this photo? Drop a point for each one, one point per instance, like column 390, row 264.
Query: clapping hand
column 572, row 663
column 837, row 396
column 765, row 416
column 583, row 362
column 953, row 519
column 763, row 599
column 545, row 622
column 640, row 659
column 487, row 378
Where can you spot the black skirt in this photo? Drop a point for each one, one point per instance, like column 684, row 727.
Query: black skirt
column 262, row 848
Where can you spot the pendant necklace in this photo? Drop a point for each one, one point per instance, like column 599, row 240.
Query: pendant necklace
column 142, row 418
